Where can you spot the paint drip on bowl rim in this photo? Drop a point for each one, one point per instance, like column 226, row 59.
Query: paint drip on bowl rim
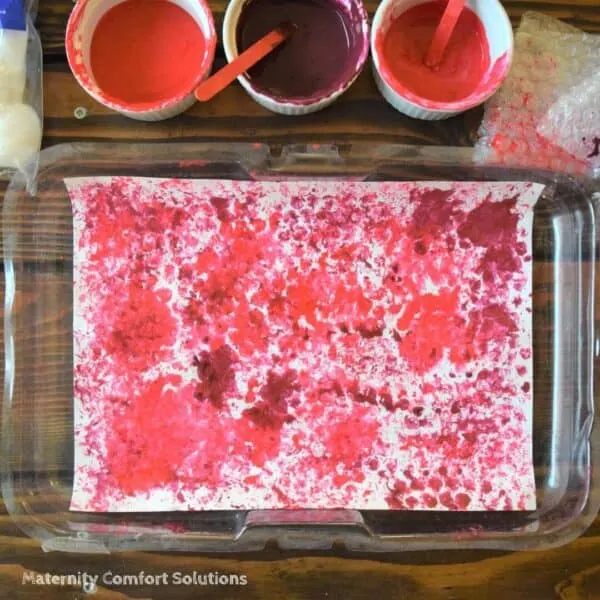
column 324, row 55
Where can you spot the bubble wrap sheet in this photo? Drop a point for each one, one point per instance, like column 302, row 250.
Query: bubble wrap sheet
column 543, row 116
column 573, row 122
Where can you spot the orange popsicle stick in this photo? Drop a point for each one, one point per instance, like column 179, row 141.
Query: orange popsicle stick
column 221, row 79
column 443, row 33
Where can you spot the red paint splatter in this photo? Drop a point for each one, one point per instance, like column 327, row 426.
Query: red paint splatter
column 433, row 330
column 462, row 501
column 596, row 149
column 216, row 375
column 137, row 456
column 491, row 223
column 370, row 330
column 143, row 326
column 221, row 206
column 272, row 412
column 396, row 497
column 435, row 212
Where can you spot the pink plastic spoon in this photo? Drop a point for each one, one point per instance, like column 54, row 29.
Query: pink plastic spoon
column 443, row 33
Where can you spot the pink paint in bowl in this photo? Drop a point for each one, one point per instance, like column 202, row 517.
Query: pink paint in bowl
column 475, row 64
column 142, row 58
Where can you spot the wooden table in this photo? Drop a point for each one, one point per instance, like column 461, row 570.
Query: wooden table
column 569, row 573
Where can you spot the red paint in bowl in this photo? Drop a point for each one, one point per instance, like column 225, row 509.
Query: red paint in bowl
column 143, row 57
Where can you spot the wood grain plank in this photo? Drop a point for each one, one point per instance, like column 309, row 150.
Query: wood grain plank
column 53, row 16
column 359, row 115
column 518, row 576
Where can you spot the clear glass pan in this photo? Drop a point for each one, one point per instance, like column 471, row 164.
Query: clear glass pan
column 37, row 419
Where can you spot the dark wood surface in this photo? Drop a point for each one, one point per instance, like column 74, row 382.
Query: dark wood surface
column 571, row 572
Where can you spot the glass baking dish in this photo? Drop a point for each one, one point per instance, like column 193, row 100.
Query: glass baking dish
column 37, row 419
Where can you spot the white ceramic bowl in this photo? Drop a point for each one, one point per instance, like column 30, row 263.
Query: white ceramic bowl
column 293, row 107
column 501, row 42
column 80, row 30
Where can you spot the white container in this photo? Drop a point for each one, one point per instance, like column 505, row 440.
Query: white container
column 293, row 107
column 499, row 33
column 20, row 126
column 80, row 30
column 13, row 49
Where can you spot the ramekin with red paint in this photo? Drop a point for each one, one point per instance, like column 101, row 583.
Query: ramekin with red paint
column 315, row 66
column 475, row 64
column 142, row 58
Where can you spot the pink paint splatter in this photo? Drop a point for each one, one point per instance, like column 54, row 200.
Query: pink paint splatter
column 269, row 345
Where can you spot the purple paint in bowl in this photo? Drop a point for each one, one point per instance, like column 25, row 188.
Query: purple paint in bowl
column 311, row 69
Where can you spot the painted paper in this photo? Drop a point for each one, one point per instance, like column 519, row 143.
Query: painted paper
column 254, row 345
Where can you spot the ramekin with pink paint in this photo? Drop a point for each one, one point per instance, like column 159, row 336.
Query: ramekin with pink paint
column 475, row 64
column 142, row 58
column 311, row 69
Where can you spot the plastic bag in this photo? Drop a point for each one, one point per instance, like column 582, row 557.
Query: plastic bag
column 573, row 121
column 20, row 88
column 524, row 123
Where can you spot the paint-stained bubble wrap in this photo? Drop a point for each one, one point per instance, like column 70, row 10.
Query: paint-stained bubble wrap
column 573, row 122
column 546, row 113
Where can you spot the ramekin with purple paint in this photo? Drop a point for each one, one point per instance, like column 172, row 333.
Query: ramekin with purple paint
column 315, row 66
